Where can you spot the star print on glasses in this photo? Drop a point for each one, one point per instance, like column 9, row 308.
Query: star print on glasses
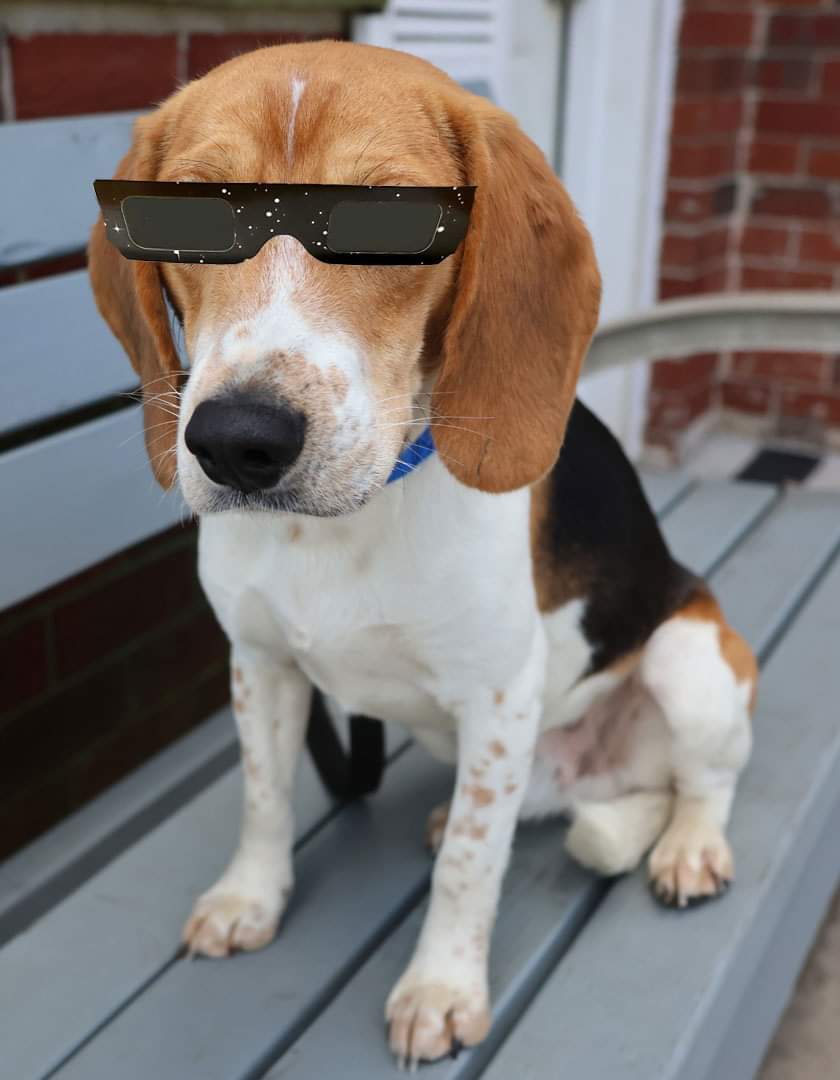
column 199, row 222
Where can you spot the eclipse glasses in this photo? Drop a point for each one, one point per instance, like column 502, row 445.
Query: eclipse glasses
column 197, row 222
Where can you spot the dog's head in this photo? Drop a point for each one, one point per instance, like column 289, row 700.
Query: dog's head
column 306, row 379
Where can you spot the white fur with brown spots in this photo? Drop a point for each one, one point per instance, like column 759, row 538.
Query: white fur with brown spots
column 419, row 603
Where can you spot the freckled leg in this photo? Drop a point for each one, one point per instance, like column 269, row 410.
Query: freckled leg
column 442, row 999
column 271, row 700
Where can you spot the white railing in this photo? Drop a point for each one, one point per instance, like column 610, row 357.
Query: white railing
column 783, row 321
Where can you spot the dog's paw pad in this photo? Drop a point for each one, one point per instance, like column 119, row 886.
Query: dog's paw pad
column 224, row 923
column 690, row 869
column 428, row 1021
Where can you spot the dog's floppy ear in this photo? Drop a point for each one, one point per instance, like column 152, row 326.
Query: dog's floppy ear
column 130, row 298
column 525, row 308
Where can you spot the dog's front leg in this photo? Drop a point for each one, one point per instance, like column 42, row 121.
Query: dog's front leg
column 442, row 1000
column 271, row 699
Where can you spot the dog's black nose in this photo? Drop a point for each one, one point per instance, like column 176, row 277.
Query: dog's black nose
column 245, row 444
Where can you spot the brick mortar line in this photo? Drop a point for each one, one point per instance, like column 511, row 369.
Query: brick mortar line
column 820, row 142
column 775, row 138
column 794, row 95
column 745, row 189
column 770, row 94
column 795, row 233
column 667, row 395
column 775, row 382
column 687, row 230
column 748, row 260
column 703, row 185
column 697, row 270
column 772, row 52
column 780, row 262
column 766, row 221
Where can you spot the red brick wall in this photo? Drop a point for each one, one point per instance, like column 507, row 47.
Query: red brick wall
column 753, row 202
column 99, row 672
column 66, row 74
column 107, row 668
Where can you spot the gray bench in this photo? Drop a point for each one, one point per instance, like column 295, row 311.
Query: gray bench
column 590, row 978
column 59, row 359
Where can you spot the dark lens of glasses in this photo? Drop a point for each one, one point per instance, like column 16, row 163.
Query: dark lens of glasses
column 179, row 224
column 376, row 228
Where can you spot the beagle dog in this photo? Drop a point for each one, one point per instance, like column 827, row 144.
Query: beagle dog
column 510, row 599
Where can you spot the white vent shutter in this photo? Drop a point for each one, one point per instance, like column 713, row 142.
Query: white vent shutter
column 469, row 39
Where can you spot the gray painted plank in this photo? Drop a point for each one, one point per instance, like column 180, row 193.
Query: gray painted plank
column 542, row 906
column 665, row 489
column 664, row 984
column 47, row 198
column 46, row 871
column 119, row 930
column 773, row 566
column 58, row 352
column 756, row 1016
column 90, row 954
column 545, row 899
column 356, row 877
column 166, row 1029
column 719, row 508
column 74, row 498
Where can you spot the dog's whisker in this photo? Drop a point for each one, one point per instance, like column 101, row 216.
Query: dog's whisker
column 145, row 431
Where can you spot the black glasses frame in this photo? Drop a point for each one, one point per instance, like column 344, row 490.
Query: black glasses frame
column 259, row 212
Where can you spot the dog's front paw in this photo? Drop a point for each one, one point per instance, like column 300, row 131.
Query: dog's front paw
column 223, row 922
column 690, row 865
column 428, row 1020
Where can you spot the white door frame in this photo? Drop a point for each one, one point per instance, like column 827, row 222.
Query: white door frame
column 621, row 59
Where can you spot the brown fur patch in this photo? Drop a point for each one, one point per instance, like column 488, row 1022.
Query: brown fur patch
column 733, row 648
column 497, row 749
column 478, row 832
column 528, row 287
column 499, row 697
column 481, row 796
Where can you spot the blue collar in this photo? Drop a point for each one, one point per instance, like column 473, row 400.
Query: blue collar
column 412, row 455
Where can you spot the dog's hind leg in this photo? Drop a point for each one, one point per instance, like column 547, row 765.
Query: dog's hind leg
column 702, row 675
column 613, row 835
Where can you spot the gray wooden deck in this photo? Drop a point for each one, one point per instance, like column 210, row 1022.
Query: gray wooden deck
column 590, row 978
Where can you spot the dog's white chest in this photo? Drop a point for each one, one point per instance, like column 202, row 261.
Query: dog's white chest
column 389, row 610
column 360, row 652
